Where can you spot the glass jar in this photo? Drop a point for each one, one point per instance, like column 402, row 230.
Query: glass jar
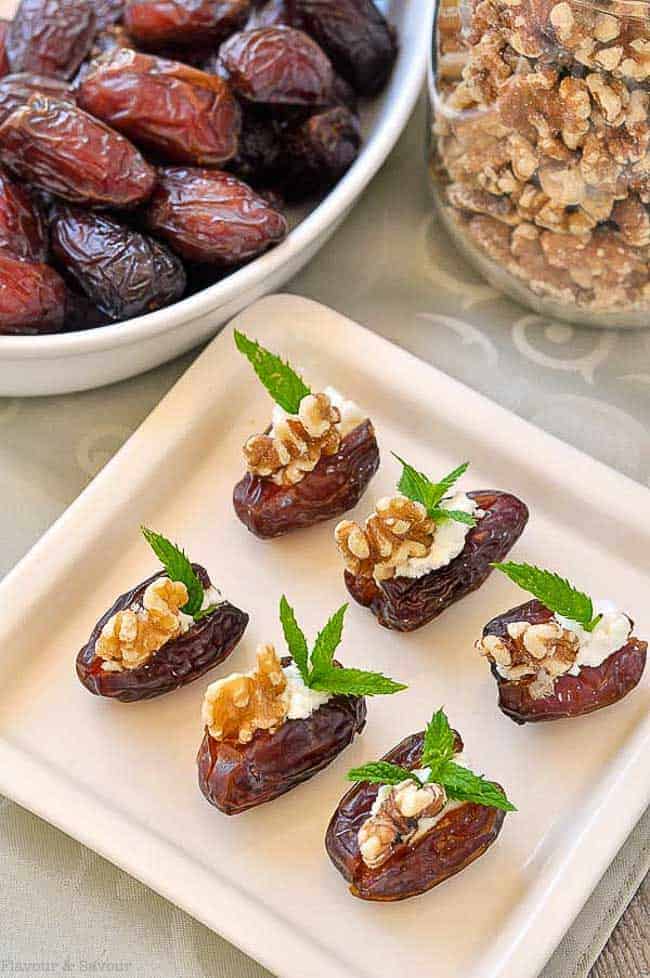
column 540, row 153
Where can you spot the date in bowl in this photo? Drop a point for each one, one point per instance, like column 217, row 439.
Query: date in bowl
column 32, row 365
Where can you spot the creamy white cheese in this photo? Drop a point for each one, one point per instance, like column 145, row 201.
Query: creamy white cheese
column 609, row 635
column 351, row 414
column 448, row 540
column 301, row 701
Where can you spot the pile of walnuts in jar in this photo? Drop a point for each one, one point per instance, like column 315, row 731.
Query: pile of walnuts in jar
column 147, row 147
column 541, row 150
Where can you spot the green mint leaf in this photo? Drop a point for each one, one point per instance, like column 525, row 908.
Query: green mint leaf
column 449, row 481
column 200, row 615
column 438, row 746
column 327, row 642
column 462, row 785
column 381, row 772
column 555, row 592
column 354, row 682
column 178, row 568
column 418, row 487
column 295, row 639
column 281, row 381
column 439, row 514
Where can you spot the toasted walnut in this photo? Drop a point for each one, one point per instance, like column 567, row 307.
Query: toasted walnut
column 297, row 442
column 397, row 819
column 236, row 707
column 131, row 637
column 397, row 530
column 542, row 652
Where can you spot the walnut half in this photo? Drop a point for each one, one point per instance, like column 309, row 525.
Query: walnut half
column 236, row 707
column 539, row 652
column 397, row 530
column 297, row 442
column 397, row 819
column 131, row 637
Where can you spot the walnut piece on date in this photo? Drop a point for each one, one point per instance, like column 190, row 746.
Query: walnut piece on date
column 131, row 637
column 396, row 820
column 296, row 442
column 239, row 705
column 398, row 530
column 543, row 651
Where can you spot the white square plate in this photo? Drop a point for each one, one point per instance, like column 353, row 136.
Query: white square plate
column 122, row 778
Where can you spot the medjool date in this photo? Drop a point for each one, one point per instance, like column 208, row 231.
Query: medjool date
column 355, row 35
column 320, row 151
column 277, row 66
column 211, row 217
column 32, row 297
column 180, row 113
column 22, row 231
column 335, row 486
column 178, row 662
column 236, row 777
column 462, row 835
column 124, row 273
column 57, row 147
column 592, row 689
column 404, row 603
column 156, row 23
column 5, row 67
column 51, row 37
column 16, row 90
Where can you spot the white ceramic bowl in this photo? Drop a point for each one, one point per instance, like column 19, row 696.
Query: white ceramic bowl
column 34, row 365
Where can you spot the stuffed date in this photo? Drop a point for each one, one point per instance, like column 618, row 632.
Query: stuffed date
column 563, row 656
column 270, row 729
column 313, row 464
column 164, row 633
column 422, row 550
column 415, row 818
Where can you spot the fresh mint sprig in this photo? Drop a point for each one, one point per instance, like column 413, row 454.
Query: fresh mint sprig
column 555, row 593
column 178, row 568
column 317, row 667
column 419, row 487
column 282, row 382
column 459, row 782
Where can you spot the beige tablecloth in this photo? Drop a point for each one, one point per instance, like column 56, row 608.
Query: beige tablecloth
column 63, row 910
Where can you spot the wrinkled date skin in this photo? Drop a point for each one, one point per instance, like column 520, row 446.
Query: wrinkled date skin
column 592, row 689
column 405, row 604
column 235, row 777
column 32, row 297
column 51, row 37
column 180, row 113
column 212, row 217
column 57, row 147
column 5, row 67
column 179, row 662
column 353, row 33
column 320, row 152
column 260, row 155
column 124, row 273
column 156, row 23
column 22, row 231
column 335, row 486
column 458, row 839
column 277, row 66
column 81, row 313
column 274, row 13
column 16, row 90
